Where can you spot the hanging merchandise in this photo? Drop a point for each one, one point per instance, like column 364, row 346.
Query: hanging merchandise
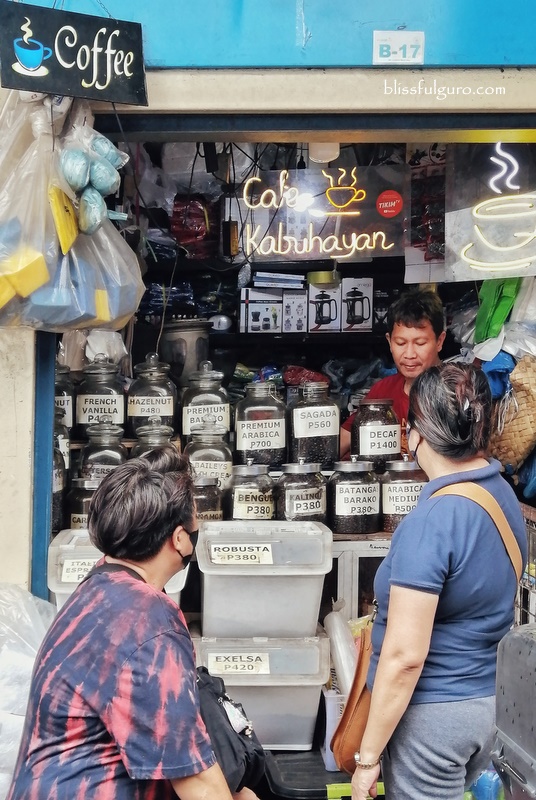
column 260, row 426
column 315, row 426
column 104, row 451
column 151, row 393
column 153, row 434
column 209, row 453
column 100, row 392
column 51, row 276
column 205, row 395
column 514, row 435
column 496, row 301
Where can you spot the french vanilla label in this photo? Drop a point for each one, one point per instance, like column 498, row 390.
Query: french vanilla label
column 78, row 521
column 96, row 472
column 74, row 570
column 225, row 663
column 91, row 407
column 401, row 498
column 193, row 415
column 241, row 553
column 204, row 515
column 302, row 502
column 147, row 406
column 222, row 470
column 66, row 404
column 357, row 499
column 377, row 440
column 316, row 421
column 251, row 504
column 262, row 434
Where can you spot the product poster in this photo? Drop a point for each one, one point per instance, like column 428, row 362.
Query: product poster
column 490, row 221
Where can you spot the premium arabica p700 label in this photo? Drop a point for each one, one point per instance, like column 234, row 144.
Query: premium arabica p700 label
column 264, row 434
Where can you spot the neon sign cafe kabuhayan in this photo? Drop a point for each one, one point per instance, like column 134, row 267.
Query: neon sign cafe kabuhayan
column 327, row 214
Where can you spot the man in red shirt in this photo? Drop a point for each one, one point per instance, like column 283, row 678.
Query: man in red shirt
column 416, row 334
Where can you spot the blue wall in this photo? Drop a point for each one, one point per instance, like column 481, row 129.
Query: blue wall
column 316, row 33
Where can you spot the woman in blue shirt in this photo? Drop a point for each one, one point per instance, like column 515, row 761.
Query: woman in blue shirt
column 445, row 597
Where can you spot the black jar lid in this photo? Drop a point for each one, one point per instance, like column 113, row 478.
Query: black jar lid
column 250, row 469
column 380, row 401
column 353, row 466
column 206, row 372
column 299, row 469
column 62, row 369
column 402, row 466
column 154, row 425
column 105, row 426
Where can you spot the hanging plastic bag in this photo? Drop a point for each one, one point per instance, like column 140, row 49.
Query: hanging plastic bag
column 497, row 298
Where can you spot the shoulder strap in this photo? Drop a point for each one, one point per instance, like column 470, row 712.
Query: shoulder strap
column 485, row 499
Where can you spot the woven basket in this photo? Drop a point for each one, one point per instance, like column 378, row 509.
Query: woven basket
column 514, row 435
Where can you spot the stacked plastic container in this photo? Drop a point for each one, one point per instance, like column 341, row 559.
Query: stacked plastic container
column 71, row 556
column 261, row 591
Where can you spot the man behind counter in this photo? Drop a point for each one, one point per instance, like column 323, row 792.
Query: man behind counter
column 416, row 334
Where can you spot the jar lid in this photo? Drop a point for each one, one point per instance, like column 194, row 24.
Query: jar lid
column 205, row 480
column 83, row 483
column 154, row 425
column 208, row 427
column 250, row 469
column 206, row 371
column 380, row 401
column 353, row 466
column 62, row 369
column 401, row 466
column 151, row 364
column 315, row 384
column 105, row 425
column 296, row 469
column 100, row 365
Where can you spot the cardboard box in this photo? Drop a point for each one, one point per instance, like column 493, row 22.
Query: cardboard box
column 324, row 309
column 295, row 311
column 261, row 310
column 357, row 304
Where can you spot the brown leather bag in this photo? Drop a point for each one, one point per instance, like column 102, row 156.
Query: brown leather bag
column 351, row 727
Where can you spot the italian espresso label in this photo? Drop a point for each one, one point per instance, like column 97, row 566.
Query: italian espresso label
column 222, row 470
column 263, row 434
column 316, row 421
column 210, row 515
column 193, row 415
column 249, row 504
column 375, row 440
column 66, row 405
column 147, row 406
column 357, row 499
column 400, row 498
column 302, row 502
column 79, row 521
column 91, row 407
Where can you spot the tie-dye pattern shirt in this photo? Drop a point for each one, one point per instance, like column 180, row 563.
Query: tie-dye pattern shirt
column 113, row 711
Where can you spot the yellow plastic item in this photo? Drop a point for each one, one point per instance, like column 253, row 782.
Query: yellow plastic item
column 7, row 292
column 339, row 791
column 64, row 217
column 25, row 269
column 102, row 305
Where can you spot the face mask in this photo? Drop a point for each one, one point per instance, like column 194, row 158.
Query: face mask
column 194, row 535
column 413, row 454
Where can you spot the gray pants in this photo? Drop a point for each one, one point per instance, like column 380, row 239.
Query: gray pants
column 439, row 749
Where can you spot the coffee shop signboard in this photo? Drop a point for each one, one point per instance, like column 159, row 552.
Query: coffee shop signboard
column 65, row 53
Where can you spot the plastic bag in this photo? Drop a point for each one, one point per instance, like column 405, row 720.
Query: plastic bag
column 24, row 620
column 497, row 298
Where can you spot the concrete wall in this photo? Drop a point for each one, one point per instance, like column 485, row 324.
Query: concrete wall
column 17, row 376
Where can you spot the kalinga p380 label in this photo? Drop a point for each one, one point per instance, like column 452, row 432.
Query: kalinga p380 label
column 65, row 53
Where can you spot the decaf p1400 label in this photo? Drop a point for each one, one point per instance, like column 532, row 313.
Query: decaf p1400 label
column 377, row 440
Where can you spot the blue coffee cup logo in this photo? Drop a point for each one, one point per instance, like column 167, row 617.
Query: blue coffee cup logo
column 30, row 53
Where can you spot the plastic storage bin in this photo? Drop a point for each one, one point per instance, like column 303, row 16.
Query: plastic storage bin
column 278, row 681
column 262, row 578
column 70, row 557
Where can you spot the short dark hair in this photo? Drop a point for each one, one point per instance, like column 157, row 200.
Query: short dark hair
column 415, row 307
column 136, row 508
column 450, row 406
column 165, row 458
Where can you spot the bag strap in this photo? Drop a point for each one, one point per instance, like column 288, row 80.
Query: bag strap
column 485, row 499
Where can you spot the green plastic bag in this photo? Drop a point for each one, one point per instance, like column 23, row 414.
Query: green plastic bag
column 497, row 298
